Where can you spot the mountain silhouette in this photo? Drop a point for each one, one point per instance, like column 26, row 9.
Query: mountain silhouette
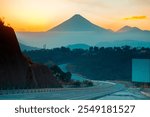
column 25, row 47
column 129, row 29
column 77, row 30
column 77, row 23
column 16, row 70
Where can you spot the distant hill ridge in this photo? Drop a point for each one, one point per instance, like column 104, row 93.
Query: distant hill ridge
column 119, row 43
column 79, row 46
column 129, row 28
column 24, row 47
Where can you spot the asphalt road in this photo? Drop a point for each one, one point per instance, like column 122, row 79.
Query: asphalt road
column 91, row 93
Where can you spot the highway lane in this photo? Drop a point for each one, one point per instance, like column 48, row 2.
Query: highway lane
column 128, row 94
column 100, row 90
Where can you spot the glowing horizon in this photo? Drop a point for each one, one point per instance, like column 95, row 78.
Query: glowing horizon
column 42, row 15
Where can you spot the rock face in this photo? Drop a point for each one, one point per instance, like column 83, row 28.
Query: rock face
column 16, row 71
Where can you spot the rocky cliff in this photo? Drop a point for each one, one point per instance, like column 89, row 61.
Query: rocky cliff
column 16, row 71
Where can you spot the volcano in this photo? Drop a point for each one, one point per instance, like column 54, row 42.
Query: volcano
column 77, row 23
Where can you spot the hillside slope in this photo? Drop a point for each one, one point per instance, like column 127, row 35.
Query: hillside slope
column 16, row 71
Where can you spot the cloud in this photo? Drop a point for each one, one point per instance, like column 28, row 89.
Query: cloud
column 135, row 18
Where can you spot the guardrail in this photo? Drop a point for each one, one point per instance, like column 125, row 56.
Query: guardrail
column 22, row 91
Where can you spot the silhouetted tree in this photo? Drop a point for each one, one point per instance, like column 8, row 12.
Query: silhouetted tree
column 60, row 75
column 77, row 83
column 68, row 76
column 1, row 22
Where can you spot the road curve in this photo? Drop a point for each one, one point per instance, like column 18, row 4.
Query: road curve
column 90, row 93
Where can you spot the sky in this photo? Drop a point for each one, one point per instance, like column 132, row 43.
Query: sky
column 42, row 15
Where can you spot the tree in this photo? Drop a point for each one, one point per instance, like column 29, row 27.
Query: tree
column 2, row 22
column 68, row 77
column 88, row 83
column 91, row 49
column 96, row 49
column 77, row 83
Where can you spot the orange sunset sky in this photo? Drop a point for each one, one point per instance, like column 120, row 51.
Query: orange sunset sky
column 41, row 15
